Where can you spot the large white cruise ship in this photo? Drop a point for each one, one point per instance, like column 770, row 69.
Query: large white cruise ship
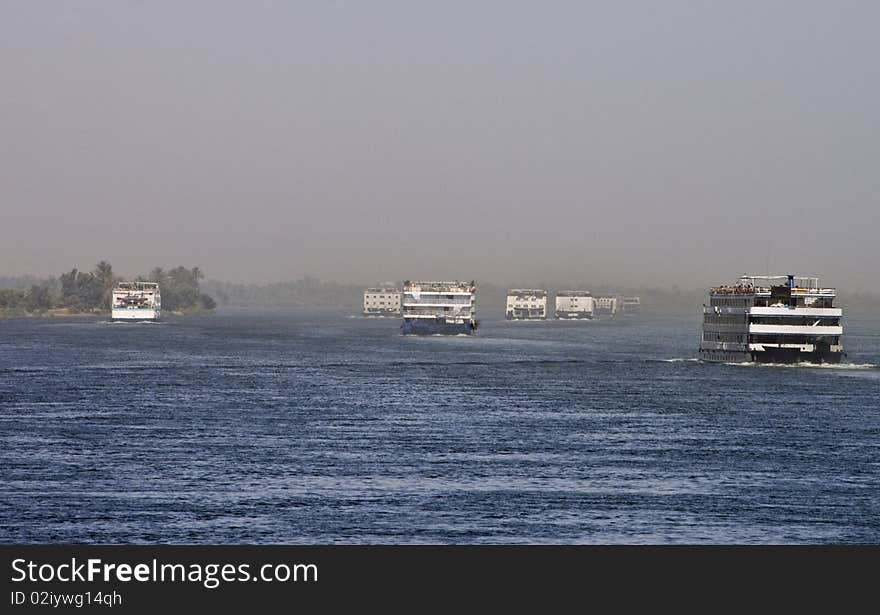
column 772, row 319
column 136, row 301
column 438, row 308
column 526, row 304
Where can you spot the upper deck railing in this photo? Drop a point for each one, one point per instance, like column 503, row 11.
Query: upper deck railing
column 763, row 285
column 438, row 287
column 574, row 293
column 522, row 293
column 136, row 286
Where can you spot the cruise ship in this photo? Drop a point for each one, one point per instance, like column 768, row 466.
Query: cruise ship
column 631, row 305
column 381, row 302
column 607, row 306
column 438, row 308
column 136, row 301
column 526, row 304
column 574, row 304
column 772, row 319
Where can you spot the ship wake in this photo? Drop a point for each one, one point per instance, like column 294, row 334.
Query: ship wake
column 831, row 366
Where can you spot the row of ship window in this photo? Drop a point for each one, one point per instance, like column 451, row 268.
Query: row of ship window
column 769, row 338
column 808, row 321
column 800, row 321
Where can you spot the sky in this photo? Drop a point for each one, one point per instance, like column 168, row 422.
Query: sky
column 620, row 142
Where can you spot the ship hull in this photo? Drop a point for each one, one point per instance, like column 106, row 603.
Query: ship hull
column 433, row 327
column 574, row 316
column 794, row 355
column 135, row 314
column 773, row 355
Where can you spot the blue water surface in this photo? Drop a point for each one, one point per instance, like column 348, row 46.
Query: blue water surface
column 302, row 427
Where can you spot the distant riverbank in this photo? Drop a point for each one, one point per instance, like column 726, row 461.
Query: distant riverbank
column 50, row 313
column 83, row 294
column 68, row 313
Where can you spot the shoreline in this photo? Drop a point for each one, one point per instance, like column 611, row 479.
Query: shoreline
column 53, row 313
column 67, row 313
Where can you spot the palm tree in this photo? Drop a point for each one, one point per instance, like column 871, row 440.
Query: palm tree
column 104, row 272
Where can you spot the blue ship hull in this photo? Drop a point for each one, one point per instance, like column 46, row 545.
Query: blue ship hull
column 421, row 326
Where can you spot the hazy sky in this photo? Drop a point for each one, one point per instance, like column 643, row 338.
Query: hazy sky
column 516, row 142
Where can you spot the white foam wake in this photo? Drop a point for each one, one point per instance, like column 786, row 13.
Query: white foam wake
column 837, row 366
column 679, row 360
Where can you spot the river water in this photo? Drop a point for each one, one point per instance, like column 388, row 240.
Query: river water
column 299, row 427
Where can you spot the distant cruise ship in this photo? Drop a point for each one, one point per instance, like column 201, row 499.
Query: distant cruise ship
column 772, row 319
column 606, row 306
column 526, row 304
column 631, row 305
column 136, row 301
column 574, row 304
column 381, row 302
column 438, row 308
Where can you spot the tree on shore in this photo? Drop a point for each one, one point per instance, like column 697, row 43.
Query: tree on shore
column 180, row 288
column 81, row 291
column 207, row 302
column 38, row 298
column 11, row 299
column 104, row 274
column 88, row 291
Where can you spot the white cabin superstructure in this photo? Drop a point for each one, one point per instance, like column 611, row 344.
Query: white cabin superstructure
column 526, row 304
column 382, row 302
column 574, row 304
column 136, row 301
column 772, row 319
